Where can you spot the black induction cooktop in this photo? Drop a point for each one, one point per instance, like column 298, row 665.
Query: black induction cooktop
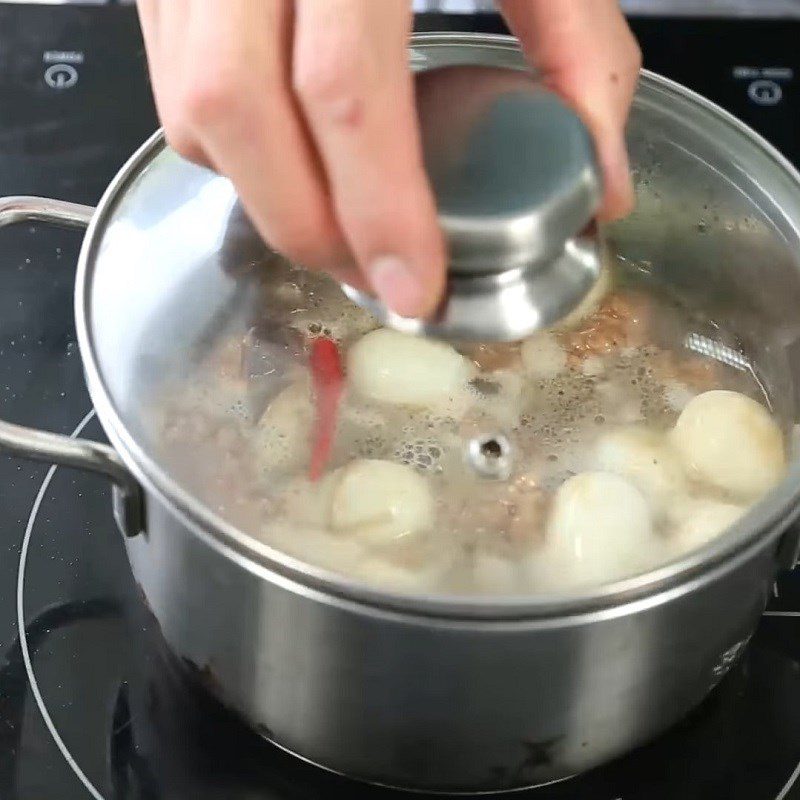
column 90, row 704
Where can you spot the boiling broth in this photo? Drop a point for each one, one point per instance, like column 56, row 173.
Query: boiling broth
column 569, row 402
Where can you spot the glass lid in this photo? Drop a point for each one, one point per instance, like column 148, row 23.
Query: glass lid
column 639, row 432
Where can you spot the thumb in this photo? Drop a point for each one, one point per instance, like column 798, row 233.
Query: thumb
column 586, row 53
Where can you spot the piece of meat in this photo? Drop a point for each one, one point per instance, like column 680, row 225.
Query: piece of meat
column 620, row 322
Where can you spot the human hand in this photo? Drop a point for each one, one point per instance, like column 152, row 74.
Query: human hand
column 308, row 108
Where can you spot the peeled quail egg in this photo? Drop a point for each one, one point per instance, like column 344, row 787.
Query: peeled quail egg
column 382, row 573
column 393, row 367
column 282, row 435
column 380, row 501
column 731, row 442
column 697, row 521
column 600, row 529
column 494, row 574
column 308, row 503
column 646, row 459
column 542, row 356
column 314, row 545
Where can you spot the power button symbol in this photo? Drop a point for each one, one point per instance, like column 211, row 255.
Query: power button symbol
column 61, row 76
column 765, row 93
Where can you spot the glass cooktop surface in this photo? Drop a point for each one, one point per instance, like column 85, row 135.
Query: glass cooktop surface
column 90, row 705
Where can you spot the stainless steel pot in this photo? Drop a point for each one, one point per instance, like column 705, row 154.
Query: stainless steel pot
column 455, row 694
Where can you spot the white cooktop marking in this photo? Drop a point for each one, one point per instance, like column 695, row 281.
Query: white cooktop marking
column 788, row 787
column 23, row 639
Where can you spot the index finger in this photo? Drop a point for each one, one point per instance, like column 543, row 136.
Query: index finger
column 352, row 76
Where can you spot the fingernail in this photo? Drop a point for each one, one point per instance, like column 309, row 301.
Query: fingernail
column 395, row 284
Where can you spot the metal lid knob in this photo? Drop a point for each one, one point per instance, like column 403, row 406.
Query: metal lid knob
column 513, row 168
column 517, row 184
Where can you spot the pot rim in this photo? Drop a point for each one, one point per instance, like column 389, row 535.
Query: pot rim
column 765, row 521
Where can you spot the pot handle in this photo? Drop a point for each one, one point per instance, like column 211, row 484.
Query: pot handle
column 53, row 447
column 789, row 547
column 14, row 210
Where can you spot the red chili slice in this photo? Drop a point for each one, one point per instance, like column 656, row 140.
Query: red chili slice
column 327, row 377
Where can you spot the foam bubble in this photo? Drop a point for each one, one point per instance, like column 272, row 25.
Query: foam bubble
column 423, row 454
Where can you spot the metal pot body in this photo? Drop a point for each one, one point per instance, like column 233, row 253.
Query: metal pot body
column 433, row 704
